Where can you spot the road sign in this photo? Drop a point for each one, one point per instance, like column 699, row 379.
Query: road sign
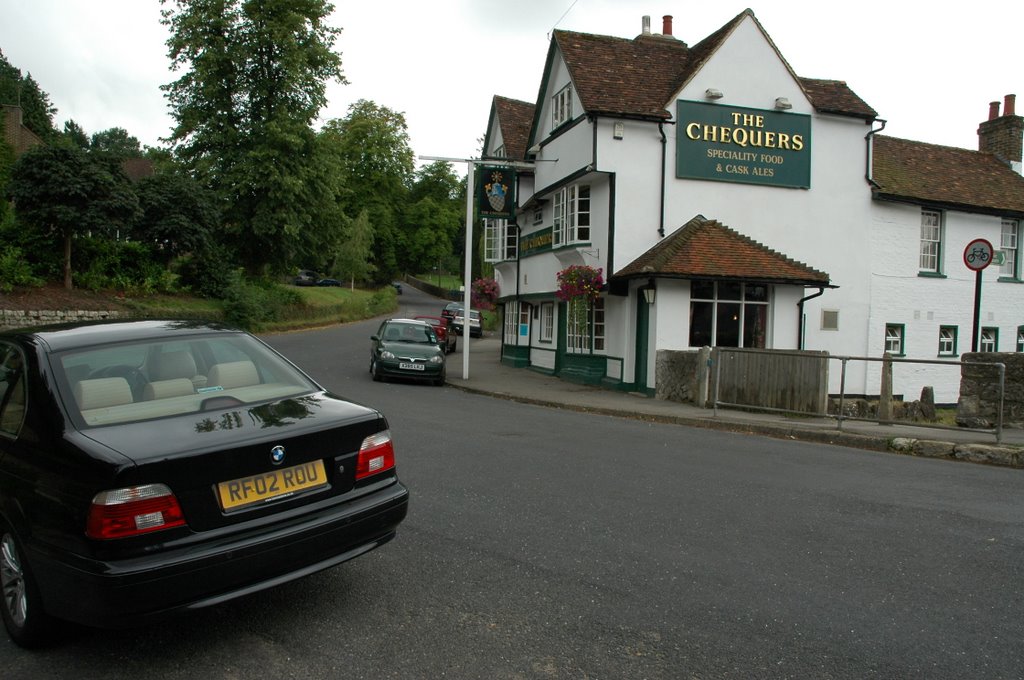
column 999, row 258
column 978, row 254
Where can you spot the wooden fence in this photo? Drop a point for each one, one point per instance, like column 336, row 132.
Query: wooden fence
column 770, row 379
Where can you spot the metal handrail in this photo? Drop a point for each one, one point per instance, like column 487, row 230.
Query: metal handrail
column 998, row 431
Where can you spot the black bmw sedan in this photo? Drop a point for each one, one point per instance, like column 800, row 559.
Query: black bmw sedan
column 150, row 467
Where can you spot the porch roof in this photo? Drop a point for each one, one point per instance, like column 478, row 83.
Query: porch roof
column 707, row 249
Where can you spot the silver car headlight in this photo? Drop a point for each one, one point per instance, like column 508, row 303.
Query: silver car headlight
column 386, row 355
column 436, row 359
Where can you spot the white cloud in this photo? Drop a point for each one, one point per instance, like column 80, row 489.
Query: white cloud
column 928, row 69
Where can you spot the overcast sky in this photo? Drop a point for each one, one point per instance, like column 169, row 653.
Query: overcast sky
column 930, row 69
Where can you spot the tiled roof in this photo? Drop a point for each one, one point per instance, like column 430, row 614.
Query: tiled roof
column 638, row 77
column 704, row 248
column 515, row 118
column 835, row 96
column 624, row 77
column 945, row 176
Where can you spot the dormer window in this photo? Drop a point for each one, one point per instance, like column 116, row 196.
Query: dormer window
column 561, row 107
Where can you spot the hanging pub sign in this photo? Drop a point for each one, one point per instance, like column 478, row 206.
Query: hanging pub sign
column 737, row 144
column 497, row 192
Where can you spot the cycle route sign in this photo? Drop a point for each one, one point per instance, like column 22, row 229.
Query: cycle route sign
column 978, row 254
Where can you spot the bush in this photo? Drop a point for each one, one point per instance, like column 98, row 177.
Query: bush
column 15, row 270
column 209, row 272
column 251, row 304
column 119, row 265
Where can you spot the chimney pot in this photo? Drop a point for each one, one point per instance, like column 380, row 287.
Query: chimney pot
column 646, row 24
column 993, row 110
column 666, row 24
column 1009, row 105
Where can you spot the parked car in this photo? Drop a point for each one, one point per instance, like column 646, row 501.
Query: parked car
column 306, row 277
column 329, row 282
column 154, row 466
column 476, row 329
column 449, row 309
column 446, row 338
column 407, row 348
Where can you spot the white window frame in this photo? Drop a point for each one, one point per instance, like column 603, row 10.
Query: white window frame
column 895, row 338
column 930, row 260
column 590, row 337
column 948, row 340
column 547, row 322
column 1009, row 243
column 989, row 340
column 571, row 215
column 561, row 107
column 501, row 240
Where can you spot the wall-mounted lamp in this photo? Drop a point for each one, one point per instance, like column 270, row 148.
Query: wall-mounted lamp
column 782, row 103
column 650, row 292
column 618, row 131
column 713, row 93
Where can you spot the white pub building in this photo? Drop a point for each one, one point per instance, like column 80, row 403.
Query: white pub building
column 730, row 202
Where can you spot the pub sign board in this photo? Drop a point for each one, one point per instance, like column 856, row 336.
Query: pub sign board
column 739, row 144
column 497, row 192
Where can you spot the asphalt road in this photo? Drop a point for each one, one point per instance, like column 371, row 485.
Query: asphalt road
column 551, row 544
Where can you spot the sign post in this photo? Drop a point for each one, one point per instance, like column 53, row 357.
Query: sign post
column 977, row 256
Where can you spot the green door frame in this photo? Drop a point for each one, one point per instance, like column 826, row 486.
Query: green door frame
column 643, row 321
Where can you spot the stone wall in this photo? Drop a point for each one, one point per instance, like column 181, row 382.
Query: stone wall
column 978, row 404
column 16, row 318
column 682, row 375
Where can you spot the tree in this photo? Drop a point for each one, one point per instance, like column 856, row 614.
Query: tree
column 74, row 134
column 353, row 258
column 432, row 221
column 37, row 111
column 63, row 192
column 178, row 214
column 254, row 80
column 116, row 142
column 372, row 145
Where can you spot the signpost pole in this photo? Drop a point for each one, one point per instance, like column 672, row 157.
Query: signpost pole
column 977, row 255
column 466, row 308
column 977, row 311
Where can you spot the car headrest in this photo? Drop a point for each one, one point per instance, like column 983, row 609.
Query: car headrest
column 102, row 393
column 233, row 374
column 173, row 365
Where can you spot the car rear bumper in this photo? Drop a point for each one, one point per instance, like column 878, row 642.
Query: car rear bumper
column 117, row 594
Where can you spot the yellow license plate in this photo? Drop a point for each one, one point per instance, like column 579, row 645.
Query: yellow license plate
column 271, row 485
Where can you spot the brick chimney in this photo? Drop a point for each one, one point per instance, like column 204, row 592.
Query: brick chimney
column 1003, row 135
column 666, row 25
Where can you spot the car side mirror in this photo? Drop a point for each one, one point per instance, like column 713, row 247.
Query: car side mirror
column 375, row 337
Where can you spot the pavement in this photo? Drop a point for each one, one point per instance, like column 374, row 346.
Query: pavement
column 487, row 375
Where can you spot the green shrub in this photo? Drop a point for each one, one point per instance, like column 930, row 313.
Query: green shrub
column 252, row 304
column 209, row 272
column 15, row 270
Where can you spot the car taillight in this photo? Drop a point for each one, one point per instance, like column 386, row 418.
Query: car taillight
column 132, row 511
column 375, row 455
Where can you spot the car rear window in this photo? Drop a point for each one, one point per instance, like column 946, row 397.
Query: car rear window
column 132, row 382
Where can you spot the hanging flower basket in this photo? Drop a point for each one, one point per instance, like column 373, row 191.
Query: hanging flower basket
column 579, row 286
column 484, row 293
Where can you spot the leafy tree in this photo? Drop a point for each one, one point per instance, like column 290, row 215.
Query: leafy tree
column 433, row 220
column 353, row 255
column 253, row 81
column 74, row 133
column 372, row 145
column 116, row 142
column 23, row 91
column 178, row 214
column 62, row 192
